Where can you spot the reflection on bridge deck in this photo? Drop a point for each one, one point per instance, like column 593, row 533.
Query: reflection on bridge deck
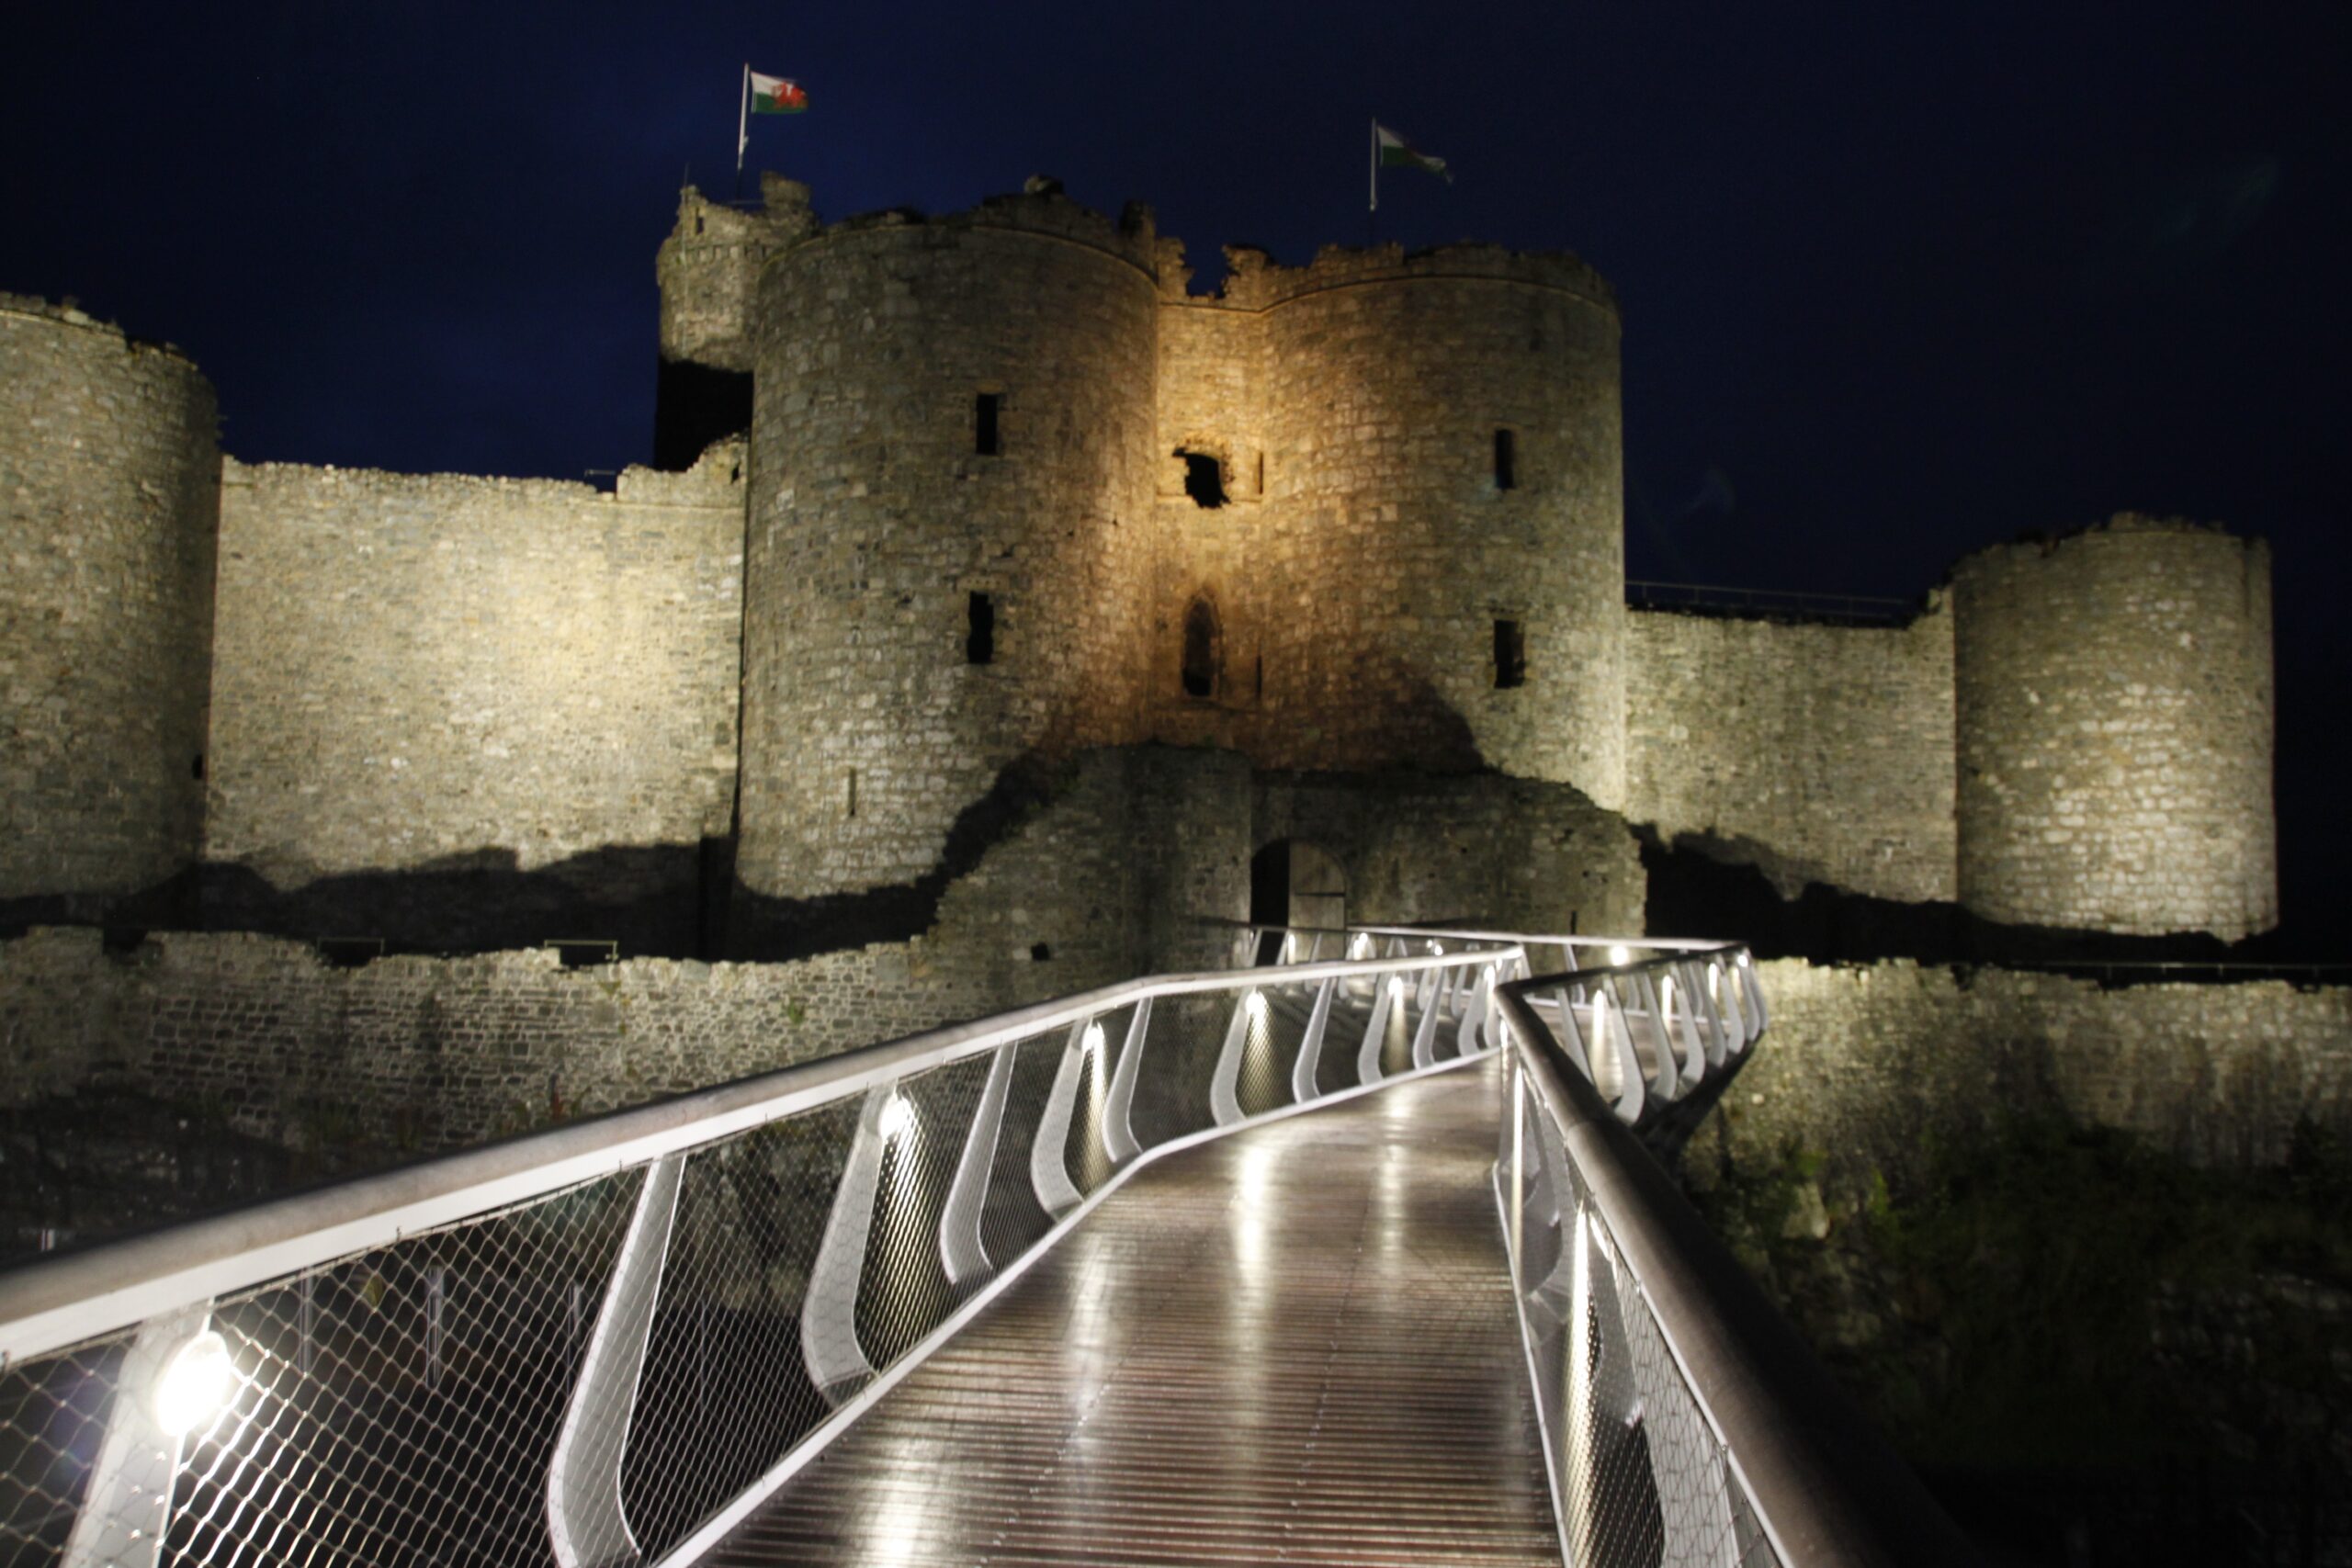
column 1292, row 1345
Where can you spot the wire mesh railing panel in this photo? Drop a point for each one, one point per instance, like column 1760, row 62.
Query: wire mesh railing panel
column 1086, row 1153
column 725, row 1391
column 53, row 1420
column 1186, row 1034
column 903, row 1292
column 1335, row 1065
column 1275, row 1023
column 399, row 1407
column 1013, row 1220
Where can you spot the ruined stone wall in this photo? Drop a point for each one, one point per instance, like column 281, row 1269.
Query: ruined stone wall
column 868, row 731
column 2114, row 701
column 431, row 677
column 1516, row 854
column 1387, row 377
column 1818, row 753
column 1871, row 1066
column 108, row 510
column 1138, row 864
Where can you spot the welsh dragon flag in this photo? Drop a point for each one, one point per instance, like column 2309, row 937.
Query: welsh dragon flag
column 777, row 94
column 1396, row 152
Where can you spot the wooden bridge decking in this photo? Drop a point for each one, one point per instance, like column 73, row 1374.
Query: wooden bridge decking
column 1293, row 1345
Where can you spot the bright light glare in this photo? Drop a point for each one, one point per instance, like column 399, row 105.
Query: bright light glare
column 1618, row 955
column 197, row 1385
column 1255, row 1005
column 898, row 1117
column 1436, row 950
column 1359, row 946
column 1666, row 995
column 1092, row 1040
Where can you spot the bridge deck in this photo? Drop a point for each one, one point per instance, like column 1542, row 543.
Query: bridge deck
column 1292, row 1345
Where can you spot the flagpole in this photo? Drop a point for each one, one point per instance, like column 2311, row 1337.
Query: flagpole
column 1375, row 166
column 742, row 126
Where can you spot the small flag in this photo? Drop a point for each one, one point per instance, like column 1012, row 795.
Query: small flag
column 1396, row 152
column 779, row 95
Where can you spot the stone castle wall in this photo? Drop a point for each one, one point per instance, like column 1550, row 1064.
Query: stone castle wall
column 440, row 673
column 110, row 491
column 1511, row 854
column 869, row 730
column 1871, row 1066
column 2114, row 704
column 1821, row 753
column 1139, row 863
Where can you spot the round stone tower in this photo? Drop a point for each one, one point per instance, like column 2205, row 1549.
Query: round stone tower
column 946, row 555
column 1444, row 458
column 2113, row 697
column 109, row 519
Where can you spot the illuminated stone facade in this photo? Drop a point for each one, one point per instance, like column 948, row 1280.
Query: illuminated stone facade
column 1001, row 496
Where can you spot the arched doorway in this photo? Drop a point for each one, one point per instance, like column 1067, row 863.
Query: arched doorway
column 1293, row 883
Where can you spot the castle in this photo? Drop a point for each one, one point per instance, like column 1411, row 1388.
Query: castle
column 991, row 497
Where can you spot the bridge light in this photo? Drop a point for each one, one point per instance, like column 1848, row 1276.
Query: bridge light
column 1618, row 954
column 197, row 1385
column 1092, row 1040
column 898, row 1117
column 1359, row 946
column 1254, row 1004
column 1436, row 950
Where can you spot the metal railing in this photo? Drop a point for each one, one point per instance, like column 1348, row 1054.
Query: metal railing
column 607, row 1343
column 1683, row 1422
column 1663, row 1033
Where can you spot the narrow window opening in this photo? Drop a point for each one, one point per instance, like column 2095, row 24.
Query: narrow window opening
column 1204, row 477
column 1200, row 651
column 1510, row 655
column 1261, row 473
column 1506, row 459
column 984, row 430
column 1261, row 676
column 849, row 794
column 1040, row 952
column 195, row 768
column 980, row 640
column 698, row 223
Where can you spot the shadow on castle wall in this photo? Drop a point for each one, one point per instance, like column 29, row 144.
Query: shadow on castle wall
column 766, row 930
column 1726, row 886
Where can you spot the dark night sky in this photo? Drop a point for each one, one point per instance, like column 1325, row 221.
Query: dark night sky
column 1898, row 280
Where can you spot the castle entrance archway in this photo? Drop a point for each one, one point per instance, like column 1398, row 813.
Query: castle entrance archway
column 1294, row 883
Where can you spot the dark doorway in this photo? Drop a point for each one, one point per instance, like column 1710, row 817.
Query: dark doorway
column 1293, row 883
column 1270, row 897
column 1200, row 649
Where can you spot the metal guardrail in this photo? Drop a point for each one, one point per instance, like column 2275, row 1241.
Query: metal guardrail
column 1683, row 1421
column 609, row 1342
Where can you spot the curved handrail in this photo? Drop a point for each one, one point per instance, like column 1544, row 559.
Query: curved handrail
column 1737, row 1418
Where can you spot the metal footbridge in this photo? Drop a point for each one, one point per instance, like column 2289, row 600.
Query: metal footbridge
column 1355, row 1257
